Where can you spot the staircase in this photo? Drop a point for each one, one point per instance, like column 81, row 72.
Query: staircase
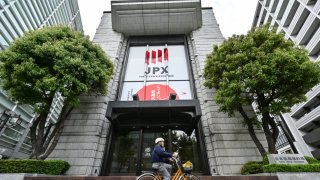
column 133, row 178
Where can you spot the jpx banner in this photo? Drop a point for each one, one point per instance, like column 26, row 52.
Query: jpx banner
column 159, row 62
column 155, row 72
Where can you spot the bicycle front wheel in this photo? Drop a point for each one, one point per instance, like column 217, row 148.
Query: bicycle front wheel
column 188, row 177
column 147, row 176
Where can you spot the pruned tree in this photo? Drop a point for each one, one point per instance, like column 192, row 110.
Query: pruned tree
column 264, row 68
column 48, row 61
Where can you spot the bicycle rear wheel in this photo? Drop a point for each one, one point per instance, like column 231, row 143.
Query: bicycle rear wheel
column 147, row 176
column 188, row 177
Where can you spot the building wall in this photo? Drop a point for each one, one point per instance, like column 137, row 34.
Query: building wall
column 300, row 21
column 19, row 16
column 16, row 18
column 228, row 143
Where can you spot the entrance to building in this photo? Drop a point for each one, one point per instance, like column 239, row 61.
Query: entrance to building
column 135, row 126
column 131, row 151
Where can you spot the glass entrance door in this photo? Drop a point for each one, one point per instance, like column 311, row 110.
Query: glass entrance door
column 147, row 148
column 125, row 153
column 132, row 150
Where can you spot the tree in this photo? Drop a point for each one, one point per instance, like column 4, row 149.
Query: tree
column 261, row 67
column 48, row 61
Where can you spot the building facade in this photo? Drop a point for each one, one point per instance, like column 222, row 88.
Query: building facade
column 159, row 50
column 300, row 21
column 16, row 18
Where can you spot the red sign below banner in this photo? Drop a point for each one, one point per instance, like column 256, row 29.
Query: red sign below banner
column 156, row 92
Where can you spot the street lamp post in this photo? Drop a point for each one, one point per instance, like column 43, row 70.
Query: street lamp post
column 9, row 118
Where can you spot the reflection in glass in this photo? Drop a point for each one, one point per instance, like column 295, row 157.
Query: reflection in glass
column 124, row 158
column 126, row 149
column 187, row 147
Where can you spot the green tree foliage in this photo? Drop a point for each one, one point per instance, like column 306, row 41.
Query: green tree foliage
column 261, row 67
column 48, row 61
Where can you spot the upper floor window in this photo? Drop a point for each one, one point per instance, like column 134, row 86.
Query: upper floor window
column 155, row 72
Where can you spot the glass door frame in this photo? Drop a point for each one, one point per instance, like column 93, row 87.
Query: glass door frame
column 114, row 133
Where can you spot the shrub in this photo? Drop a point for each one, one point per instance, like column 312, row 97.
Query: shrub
column 255, row 167
column 272, row 168
column 252, row 167
column 54, row 167
column 312, row 160
column 265, row 160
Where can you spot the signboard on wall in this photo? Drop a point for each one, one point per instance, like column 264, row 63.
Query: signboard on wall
column 287, row 159
column 156, row 90
column 155, row 72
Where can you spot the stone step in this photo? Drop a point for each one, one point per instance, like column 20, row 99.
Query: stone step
column 133, row 178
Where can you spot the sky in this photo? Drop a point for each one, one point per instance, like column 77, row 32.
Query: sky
column 233, row 16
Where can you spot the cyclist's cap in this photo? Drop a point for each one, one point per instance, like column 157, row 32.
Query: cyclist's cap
column 158, row 140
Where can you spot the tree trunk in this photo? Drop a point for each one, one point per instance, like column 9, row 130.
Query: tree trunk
column 267, row 120
column 56, row 133
column 275, row 130
column 53, row 144
column 40, row 134
column 41, row 144
column 268, row 133
column 252, row 132
column 36, row 147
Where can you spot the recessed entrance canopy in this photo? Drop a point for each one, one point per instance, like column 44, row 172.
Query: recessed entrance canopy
column 155, row 17
column 173, row 114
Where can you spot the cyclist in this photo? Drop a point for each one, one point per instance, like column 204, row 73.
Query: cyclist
column 159, row 158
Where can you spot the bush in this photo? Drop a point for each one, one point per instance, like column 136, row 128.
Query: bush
column 312, row 160
column 272, row 168
column 265, row 160
column 54, row 167
column 252, row 167
column 255, row 167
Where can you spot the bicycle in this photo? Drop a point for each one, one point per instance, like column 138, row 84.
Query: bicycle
column 179, row 175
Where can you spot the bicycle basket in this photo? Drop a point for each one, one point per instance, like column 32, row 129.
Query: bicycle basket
column 188, row 166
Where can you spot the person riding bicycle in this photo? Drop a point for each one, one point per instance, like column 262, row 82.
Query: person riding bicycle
column 159, row 157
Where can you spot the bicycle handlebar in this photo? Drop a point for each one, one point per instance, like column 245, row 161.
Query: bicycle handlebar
column 176, row 160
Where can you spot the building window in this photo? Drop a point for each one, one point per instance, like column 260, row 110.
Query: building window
column 155, row 72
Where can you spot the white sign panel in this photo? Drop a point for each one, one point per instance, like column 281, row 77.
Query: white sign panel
column 287, row 159
column 157, row 62
column 156, row 90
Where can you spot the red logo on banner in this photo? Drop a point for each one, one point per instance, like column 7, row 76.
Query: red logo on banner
column 156, row 92
column 155, row 55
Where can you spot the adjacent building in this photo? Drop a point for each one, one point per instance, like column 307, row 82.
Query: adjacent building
column 16, row 18
column 300, row 21
column 159, row 50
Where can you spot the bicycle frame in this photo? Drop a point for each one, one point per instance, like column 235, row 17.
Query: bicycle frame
column 179, row 171
column 176, row 176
